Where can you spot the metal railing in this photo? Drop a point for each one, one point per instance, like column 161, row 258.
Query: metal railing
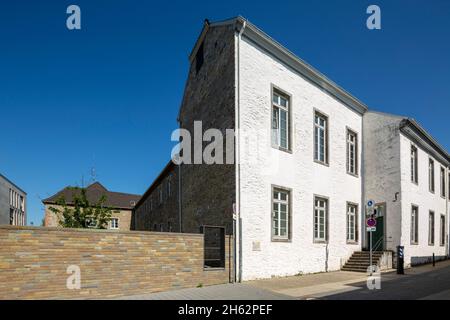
column 378, row 244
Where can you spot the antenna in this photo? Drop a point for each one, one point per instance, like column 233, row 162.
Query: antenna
column 93, row 174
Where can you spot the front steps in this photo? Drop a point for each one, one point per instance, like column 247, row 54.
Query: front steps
column 360, row 261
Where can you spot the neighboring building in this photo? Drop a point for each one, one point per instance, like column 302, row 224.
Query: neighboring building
column 157, row 210
column 406, row 172
column 295, row 196
column 12, row 203
column 122, row 205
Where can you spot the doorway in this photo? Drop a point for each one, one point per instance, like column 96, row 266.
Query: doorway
column 378, row 239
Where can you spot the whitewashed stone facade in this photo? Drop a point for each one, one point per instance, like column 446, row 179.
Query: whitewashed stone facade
column 261, row 66
column 387, row 179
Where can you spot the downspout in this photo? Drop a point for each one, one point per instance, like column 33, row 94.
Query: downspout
column 238, row 236
column 180, row 212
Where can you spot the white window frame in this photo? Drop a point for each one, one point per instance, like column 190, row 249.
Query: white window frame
column 112, row 225
column 352, row 147
column 318, row 129
column 431, row 228
column 277, row 98
column 431, row 176
column 321, row 208
column 414, row 164
column 352, row 223
column 414, row 225
column 442, row 230
column 276, row 205
column 443, row 184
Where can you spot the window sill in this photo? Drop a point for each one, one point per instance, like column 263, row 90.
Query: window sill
column 280, row 240
column 326, row 164
column 282, row 149
column 353, row 242
column 353, row 174
column 214, row 269
column 414, row 243
column 320, row 242
column 430, row 244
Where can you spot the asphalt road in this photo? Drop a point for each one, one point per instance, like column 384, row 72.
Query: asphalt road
column 432, row 284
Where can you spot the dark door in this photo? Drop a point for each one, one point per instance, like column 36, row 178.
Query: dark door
column 377, row 236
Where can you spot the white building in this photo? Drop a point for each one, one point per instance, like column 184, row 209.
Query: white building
column 406, row 172
column 308, row 157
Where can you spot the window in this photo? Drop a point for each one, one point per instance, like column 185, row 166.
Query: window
column 352, row 224
column 280, row 121
column 280, row 214
column 320, row 219
column 414, row 225
column 151, row 203
column 442, row 182
column 352, row 152
column 169, row 226
column 431, row 175
column 414, row 169
column 199, row 58
column 114, row 223
column 431, row 228
column 320, row 138
column 442, row 231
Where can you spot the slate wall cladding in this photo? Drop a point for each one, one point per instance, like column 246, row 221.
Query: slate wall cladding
column 208, row 191
column 33, row 262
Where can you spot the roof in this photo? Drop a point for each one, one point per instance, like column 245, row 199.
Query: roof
column 274, row 48
column 12, row 183
column 414, row 131
column 94, row 192
column 168, row 168
column 419, row 134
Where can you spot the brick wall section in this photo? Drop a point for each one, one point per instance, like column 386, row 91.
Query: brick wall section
column 33, row 262
column 208, row 191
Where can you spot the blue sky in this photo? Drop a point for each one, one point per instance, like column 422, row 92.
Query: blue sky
column 108, row 95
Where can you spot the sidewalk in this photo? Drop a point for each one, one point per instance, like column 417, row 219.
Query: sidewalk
column 310, row 286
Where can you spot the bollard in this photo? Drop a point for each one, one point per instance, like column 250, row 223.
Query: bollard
column 434, row 261
column 400, row 258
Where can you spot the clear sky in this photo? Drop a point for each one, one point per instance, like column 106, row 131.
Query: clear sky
column 107, row 96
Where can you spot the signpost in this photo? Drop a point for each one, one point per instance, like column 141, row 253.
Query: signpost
column 371, row 227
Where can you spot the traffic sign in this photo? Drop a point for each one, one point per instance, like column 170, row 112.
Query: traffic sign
column 371, row 222
column 371, row 229
column 370, row 203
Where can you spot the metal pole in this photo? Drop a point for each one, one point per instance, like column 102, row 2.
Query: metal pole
column 370, row 248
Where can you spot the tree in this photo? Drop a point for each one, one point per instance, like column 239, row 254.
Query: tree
column 80, row 213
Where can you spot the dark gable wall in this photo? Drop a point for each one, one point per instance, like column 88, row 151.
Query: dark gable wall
column 208, row 191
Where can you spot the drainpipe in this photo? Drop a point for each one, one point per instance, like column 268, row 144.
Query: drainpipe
column 180, row 211
column 238, row 235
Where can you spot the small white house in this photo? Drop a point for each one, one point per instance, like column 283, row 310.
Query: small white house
column 406, row 173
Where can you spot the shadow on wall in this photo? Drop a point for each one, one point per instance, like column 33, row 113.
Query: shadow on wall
column 416, row 261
